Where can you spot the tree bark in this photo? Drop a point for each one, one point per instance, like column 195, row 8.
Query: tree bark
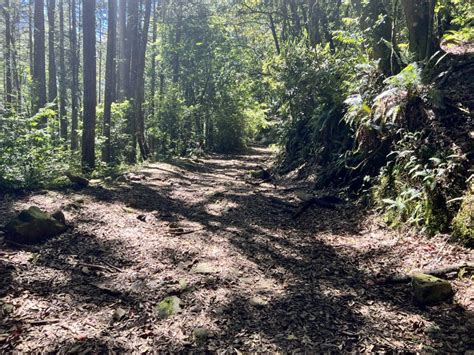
column 140, row 84
column 110, row 78
column 74, row 61
column 153, row 61
column 8, row 55
column 123, row 62
column 132, row 57
column 52, row 83
column 62, row 75
column 177, row 41
column 15, row 24
column 420, row 19
column 39, row 65
column 30, row 35
column 274, row 33
column 379, row 25
column 314, row 31
column 90, row 91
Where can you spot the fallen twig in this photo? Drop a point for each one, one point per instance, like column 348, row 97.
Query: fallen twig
column 325, row 202
column 113, row 267
column 38, row 322
column 94, row 266
column 179, row 233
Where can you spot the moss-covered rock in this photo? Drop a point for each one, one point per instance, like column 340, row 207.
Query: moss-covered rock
column 463, row 223
column 200, row 335
column 33, row 226
column 429, row 290
column 168, row 307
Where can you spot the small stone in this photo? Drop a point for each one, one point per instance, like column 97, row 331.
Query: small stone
column 59, row 216
column 77, row 180
column 168, row 307
column 119, row 314
column 258, row 302
column 183, row 285
column 219, row 311
column 304, row 196
column 205, row 269
column 429, row 290
column 6, row 309
column 200, row 334
column 141, row 217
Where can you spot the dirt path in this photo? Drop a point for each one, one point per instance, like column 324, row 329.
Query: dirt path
column 243, row 269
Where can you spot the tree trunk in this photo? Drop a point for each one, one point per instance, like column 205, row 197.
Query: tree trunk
column 30, row 35
column 123, row 69
column 14, row 60
column 140, row 84
column 8, row 55
column 420, row 19
column 39, row 65
column 295, row 18
column 314, row 31
column 177, row 41
column 378, row 24
column 90, row 92
column 110, row 78
column 153, row 62
column 99, row 81
column 132, row 57
column 52, row 84
column 74, row 60
column 62, row 75
column 274, row 33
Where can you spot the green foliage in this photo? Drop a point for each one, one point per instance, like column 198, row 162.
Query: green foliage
column 120, row 140
column 463, row 222
column 311, row 86
column 31, row 155
column 211, row 102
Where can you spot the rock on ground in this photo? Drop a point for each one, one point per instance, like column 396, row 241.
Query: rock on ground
column 428, row 289
column 33, row 226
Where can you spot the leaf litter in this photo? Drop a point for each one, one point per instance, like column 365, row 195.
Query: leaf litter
column 238, row 273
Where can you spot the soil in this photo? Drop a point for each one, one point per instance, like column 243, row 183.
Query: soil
column 249, row 277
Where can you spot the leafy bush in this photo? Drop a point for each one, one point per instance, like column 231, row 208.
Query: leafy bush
column 31, row 155
column 463, row 223
column 312, row 86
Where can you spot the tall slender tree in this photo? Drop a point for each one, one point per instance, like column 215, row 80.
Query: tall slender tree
column 110, row 78
column 378, row 24
column 30, row 35
column 90, row 91
column 8, row 54
column 123, row 50
column 52, row 72
column 74, row 63
column 62, row 74
column 39, row 65
column 140, row 84
column 420, row 23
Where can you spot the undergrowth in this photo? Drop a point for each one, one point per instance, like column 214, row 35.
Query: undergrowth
column 385, row 137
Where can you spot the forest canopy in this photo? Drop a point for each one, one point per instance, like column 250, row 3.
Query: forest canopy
column 374, row 96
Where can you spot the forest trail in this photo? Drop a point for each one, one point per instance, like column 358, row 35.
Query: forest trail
column 249, row 276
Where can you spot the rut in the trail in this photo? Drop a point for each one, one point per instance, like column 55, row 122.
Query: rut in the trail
column 248, row 275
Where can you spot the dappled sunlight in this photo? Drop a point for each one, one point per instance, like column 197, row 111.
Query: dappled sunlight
column 244, row 270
